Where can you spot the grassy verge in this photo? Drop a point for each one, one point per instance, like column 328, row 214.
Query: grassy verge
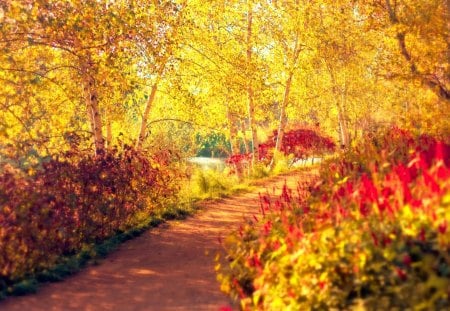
column 210, row 184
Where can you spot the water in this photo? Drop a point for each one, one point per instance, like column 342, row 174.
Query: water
column 306, row 161
column 218, row 164
column 208, row 163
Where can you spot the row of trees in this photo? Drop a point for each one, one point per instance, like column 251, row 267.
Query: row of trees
column 138, row 72
column 72, row 63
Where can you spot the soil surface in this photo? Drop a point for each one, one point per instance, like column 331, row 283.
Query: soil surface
column 170, row 267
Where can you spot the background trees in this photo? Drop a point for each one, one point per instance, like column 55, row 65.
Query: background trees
column 104, row 73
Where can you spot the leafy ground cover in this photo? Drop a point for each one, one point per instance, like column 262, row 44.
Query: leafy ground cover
column 371, row 232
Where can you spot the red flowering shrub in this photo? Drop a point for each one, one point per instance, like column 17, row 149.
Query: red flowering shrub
column 238, row 158
column 74, row 200
column 374, row 231
column 239, row 162
column 301, row 142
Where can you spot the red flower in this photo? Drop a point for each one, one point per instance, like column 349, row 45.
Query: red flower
column 442, row 228
column 370, row 192
column 364, row 209
column 401, row 273
column 407, row 260
column 387, row 192
column 322, row 284
column 374, row 238
column 241, row 231
column 422, row 236
column 430, row 182
column 267, row 227
column 443, row 172
column 341, row 192
column 276, row 245
column 386, row 241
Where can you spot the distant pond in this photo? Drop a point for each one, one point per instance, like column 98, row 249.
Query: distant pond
column 208, row 163
column 219, row 163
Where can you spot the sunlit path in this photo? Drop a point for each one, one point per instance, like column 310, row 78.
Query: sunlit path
column 167, row 268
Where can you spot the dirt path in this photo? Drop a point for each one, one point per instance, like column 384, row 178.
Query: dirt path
column 167, row 268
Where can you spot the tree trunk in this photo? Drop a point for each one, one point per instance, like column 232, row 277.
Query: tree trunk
column 233, row 140
column 340, row 98
column 148, row 107
column 250, row 93
column 283, row 115
column 342, row 116
column 429, row 80
column 233, row 132
column 251, row 120
column 108, row 132
column 343, row 128
column 92, row 106
column 244, row 130
column 150, row 101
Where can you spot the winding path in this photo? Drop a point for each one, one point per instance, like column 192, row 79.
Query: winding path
column 167, row 268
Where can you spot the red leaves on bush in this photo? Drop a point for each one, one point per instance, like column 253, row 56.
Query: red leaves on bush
column 238, row 158
column 407, row 260
column 442, row 228
column 72, row 200
column 401, row 273
column 239, row 161
column 301, row 142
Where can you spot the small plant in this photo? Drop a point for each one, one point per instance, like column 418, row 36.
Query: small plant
column 211, row 183
column 282, row 162
column 260, row 170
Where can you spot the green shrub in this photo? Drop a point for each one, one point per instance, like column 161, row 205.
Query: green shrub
column 282, row 162
column 259, row 171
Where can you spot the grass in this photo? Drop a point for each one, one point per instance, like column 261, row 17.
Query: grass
column 212, row 184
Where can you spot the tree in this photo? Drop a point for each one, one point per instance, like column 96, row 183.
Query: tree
column 420, row 30
column 168, row 28
column 289, row 29
column 96, row 42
